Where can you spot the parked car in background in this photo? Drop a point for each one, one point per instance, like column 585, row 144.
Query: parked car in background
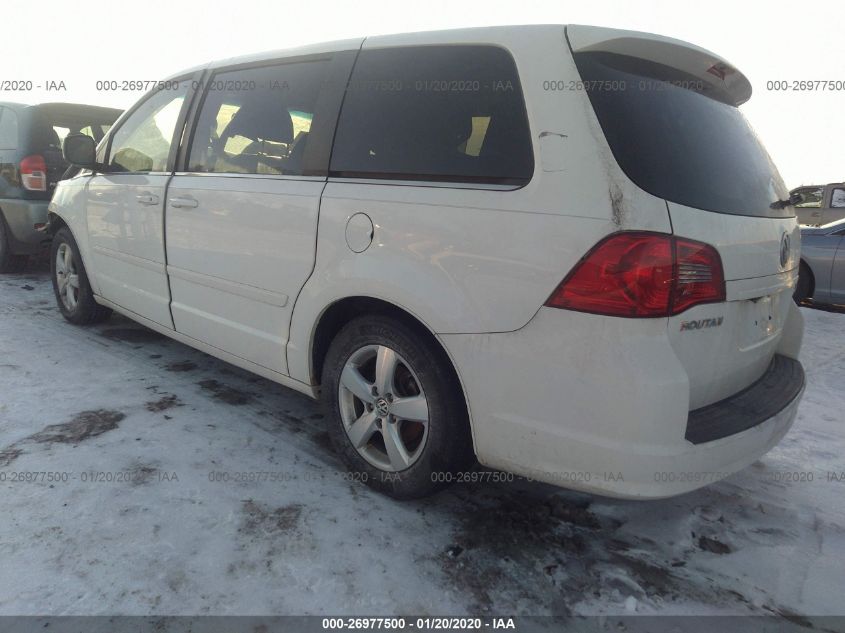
column 819, row 204
column 465, row 249
column 31, row 163
column 822, row 272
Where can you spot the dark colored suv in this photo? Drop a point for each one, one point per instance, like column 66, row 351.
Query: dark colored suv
column 31, row 164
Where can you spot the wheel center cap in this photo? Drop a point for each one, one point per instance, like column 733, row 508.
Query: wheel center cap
column 382, row 406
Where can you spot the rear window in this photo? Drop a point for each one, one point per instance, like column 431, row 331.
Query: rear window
column 8, row 129
column 436, row 113
column 54, row 121
column 678, row 143
column 95, row 131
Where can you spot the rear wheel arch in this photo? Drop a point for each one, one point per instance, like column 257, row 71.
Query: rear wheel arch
column 342, row 311
column 805, row 289
column 338, row 314
column 359, row 402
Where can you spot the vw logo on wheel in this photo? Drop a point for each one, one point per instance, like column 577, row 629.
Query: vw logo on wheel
column 382, row 406
column 784, row 250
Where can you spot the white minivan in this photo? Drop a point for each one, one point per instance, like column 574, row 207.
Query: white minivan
column 558, row 250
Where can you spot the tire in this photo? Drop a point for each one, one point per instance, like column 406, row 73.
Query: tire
column 9, row 262
column 804, row 287
column 400, row 457
column 76, row 303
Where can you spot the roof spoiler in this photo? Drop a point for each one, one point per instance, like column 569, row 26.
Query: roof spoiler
column 723, row 77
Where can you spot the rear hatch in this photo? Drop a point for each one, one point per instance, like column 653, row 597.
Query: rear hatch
column 672, row 122
column 52, row 122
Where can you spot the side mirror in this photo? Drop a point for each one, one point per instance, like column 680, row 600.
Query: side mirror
column 80, row 150
column 797, row 198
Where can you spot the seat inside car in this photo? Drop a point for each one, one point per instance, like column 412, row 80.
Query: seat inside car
column 297, row 152
column 446, row 142
column 435, row 138
column 268, row 132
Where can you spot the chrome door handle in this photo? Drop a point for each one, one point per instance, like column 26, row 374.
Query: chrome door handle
column 179, row 203
column 147, row 198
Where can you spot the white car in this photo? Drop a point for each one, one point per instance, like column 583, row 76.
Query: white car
column 559, row 250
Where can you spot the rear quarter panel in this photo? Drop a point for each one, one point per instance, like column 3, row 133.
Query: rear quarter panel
column 467, row 260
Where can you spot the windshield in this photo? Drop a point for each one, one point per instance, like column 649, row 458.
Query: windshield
column 677, row 142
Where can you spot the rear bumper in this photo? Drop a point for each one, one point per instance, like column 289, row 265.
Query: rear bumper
column 782, row 383
column 21, row 218
column 601, row 404
column 654, row 476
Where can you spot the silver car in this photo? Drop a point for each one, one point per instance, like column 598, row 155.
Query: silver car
column 822, row 271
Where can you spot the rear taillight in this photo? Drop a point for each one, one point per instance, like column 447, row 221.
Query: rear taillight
column 699, row 277
column 641, row 274
column 34, row 173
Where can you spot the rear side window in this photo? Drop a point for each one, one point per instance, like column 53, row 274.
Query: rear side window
column 436, row 113
column 259, row 120
column 8, row 129
column 679, row 143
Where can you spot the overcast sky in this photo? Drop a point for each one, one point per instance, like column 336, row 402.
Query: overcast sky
column 89, row 40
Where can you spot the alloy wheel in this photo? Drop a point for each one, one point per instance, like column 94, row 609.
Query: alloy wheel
column 67, row 278
column 383, row 408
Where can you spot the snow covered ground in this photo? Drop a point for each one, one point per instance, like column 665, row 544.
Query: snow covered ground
column 162, row 536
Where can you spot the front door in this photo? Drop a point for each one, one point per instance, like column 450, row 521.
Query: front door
column 125, row 208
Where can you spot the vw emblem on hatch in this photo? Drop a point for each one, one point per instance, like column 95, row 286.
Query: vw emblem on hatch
column 784, row 250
